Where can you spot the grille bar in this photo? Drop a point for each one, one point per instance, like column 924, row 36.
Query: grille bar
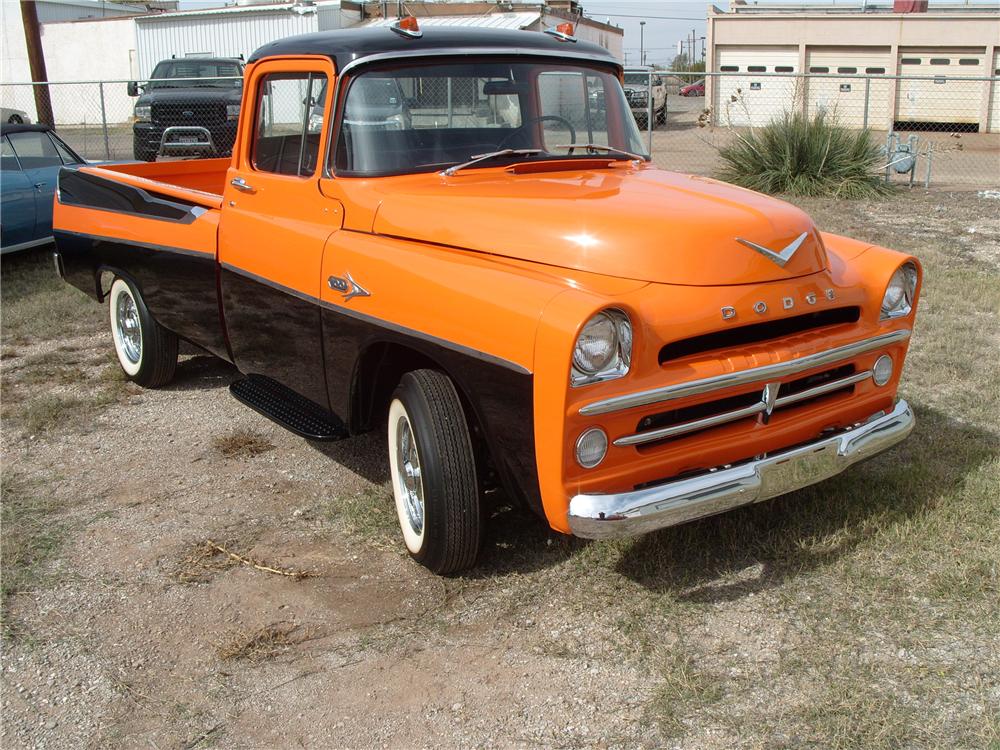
column 744, row 377
column 651, row 436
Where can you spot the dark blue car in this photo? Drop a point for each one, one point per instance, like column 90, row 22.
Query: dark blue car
column 30, row 159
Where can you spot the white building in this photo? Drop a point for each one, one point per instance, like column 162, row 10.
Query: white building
column 14, row 67
column 751, row 43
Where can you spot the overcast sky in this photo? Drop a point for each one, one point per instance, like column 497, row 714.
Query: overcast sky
column 667, row 21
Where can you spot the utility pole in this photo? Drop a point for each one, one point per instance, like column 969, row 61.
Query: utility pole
column 642, row 35
column 36, row 61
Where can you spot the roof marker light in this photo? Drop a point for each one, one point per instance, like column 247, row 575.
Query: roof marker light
column 563, row 32
column 407, row 26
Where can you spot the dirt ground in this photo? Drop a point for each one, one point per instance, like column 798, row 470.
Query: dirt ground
column 179, row 572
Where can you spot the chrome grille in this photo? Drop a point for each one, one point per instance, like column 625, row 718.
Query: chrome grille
column 759, row 404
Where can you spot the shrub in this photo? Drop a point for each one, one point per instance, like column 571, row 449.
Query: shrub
column 796, row 155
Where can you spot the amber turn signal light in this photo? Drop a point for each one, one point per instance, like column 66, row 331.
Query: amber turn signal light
column 407, row 26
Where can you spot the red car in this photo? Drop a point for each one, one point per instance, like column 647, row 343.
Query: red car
column 694, row 89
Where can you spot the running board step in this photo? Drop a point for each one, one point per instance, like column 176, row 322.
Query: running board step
column 286, row 407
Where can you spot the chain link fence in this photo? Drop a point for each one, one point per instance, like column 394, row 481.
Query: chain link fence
column 937, row 131
column 943, row 132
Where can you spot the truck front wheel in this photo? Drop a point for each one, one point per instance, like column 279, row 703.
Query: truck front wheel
column 147, row 351
column 434, row 472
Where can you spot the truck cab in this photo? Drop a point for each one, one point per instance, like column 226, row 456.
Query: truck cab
column 189, row 106
column 490, row 271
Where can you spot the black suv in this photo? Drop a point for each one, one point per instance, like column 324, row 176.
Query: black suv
column 189, row 106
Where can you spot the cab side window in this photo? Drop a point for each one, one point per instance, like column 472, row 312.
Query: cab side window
column 289, row 123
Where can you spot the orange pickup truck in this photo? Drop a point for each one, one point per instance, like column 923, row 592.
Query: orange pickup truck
column 447, row 235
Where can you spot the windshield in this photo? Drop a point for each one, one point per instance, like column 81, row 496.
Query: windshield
column 429, row 117
column 195, row 70
column 637, row 79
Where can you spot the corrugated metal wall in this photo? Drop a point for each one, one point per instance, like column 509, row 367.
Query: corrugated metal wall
column 224, row 34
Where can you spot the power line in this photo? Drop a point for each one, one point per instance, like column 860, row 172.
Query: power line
column 657, row 18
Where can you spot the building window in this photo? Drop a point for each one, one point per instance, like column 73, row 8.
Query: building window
column 940, row 61
column 783, row 69
column 729, row 68
column 910, row 61
column 757, row 68
column 818, row 69
column 847, row 70
column 875, row 71
column 969, row 61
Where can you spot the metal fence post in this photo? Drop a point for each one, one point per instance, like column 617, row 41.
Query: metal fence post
column 104, row 122
column 930, row 153
column 868, row 90
column 649, row 111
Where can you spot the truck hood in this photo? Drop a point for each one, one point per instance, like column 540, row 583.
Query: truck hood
column 636, row 223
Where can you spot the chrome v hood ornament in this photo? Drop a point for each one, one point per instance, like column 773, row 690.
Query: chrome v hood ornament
column 782, row 257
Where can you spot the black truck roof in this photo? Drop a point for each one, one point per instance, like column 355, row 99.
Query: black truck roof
column 380, row 42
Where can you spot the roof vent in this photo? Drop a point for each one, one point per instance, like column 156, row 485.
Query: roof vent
column 563, row 32
column 407, row 26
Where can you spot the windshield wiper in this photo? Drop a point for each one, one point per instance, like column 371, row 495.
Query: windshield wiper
column 591, row 147
column 492, row 155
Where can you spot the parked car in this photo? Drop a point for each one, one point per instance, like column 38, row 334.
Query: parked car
column 527, row 307
column 30, row 159
column 14, row 116
column 694, row 89
column 637, row 92
column 189, row 106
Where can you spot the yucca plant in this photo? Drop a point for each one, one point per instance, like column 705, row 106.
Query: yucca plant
column 796, row 155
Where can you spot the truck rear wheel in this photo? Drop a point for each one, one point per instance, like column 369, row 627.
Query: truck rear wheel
column 434, row 473
column 147, row 351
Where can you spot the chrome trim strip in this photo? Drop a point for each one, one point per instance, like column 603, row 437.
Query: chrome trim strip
column 743, row 377
column 834, row 385
column 641, row 511
column 651, row 436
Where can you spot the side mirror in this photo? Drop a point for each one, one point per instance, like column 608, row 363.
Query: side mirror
column 133, row 88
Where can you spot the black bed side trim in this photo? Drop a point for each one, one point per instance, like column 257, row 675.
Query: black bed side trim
column 87, row 190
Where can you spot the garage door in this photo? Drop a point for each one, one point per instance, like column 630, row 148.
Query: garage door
column 744, row 98
column 844, row 98
column 994, row 126
column 940, row 101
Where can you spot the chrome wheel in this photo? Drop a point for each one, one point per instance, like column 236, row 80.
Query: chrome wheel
column 129, row 330
column 410, row 485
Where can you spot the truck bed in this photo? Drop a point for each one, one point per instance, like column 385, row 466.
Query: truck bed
column 199, row 181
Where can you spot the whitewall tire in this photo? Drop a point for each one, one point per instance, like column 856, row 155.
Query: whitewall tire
column 433, row 472
column 147, row 352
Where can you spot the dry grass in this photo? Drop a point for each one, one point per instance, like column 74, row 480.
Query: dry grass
column 30, row 538
column 242, row 443
column 204, row 560
column 263, row 643
column 39, row 306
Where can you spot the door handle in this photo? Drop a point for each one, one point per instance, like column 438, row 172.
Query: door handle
column 240, row 184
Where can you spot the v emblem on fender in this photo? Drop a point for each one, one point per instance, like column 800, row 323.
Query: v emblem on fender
column 781, row 258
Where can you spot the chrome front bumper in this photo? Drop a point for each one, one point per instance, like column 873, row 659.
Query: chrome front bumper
column 642, row 511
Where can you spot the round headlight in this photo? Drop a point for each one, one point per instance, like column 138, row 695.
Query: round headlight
column 898, row 298
column 882, row 371
column 591, row 447
column 597, row 345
